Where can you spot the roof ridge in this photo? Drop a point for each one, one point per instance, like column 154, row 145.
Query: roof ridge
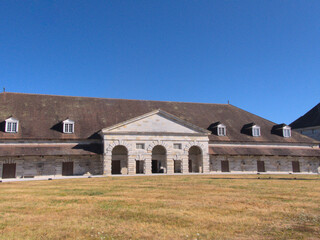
column 54, row 95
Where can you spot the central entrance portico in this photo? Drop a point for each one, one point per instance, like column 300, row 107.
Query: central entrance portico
column 156, row 142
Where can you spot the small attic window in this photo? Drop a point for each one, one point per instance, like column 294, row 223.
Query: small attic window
column 221, row 130
column 12, row 125
column 282, row 130
column 218, row 128
column 68, row 126
column 256, row 131
column 286, row 131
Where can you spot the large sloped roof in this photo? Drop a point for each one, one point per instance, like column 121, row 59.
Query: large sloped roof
column 310, row 119
column 39, row 115
column 50, row 150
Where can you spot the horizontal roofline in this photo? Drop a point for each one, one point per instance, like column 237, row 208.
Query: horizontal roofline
column 102, row 98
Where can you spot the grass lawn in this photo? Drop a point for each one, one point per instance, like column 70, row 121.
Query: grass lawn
column 163, row 207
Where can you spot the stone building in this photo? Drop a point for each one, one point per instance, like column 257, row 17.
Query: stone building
column 43, row 135
column 309, row 124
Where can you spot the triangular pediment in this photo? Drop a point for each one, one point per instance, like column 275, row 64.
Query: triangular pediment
column 12, row 119
column 156, row 122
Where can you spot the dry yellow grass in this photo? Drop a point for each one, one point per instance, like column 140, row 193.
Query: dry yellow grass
column 163, row 207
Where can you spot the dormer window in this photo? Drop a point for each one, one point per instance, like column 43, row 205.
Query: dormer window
column 256, row 131
column 251, row 129
column 218, row 128
column 221, row 130
column 12, row 125
column 68, row 126
column 286, row 131
column 282, row 130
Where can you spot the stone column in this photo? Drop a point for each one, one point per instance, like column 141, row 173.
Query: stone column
column 185, row 164
column 131, row 165
column 170, row 164
column 107, row 164
column 205, row 163
column 147, row 164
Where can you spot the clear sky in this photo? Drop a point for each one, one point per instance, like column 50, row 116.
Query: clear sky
column 263, row 56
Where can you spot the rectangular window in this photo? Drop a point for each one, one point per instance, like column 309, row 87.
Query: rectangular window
column 140, row 145
column 9, row 127
column 68, row 128
column 12, row 127
column 221, row 131
column 177, row 146
column 256, row 132
column 286, row 132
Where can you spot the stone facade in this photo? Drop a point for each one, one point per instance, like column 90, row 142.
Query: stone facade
column 273, row 164
column 145, row 155
column 51, row 166
column 141, row 137
column 156, row 142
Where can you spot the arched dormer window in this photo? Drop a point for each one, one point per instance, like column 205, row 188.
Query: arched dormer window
column 68, row 126
column 12, row 125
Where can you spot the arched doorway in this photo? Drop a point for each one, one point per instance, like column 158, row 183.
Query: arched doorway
column 119, row 163
column 159, row 159
column 195, row 160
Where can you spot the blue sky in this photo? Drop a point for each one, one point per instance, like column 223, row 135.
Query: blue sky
column 263, row 56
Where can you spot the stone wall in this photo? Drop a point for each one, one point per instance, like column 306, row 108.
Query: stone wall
column 36, row 166
column 276, row 164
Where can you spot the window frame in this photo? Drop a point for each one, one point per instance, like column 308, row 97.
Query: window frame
column 223, row 128
column 9, row 123
column 254, row 129
column 140, row 144
column 177, row 146
column 66, row 126
column 285, row 130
